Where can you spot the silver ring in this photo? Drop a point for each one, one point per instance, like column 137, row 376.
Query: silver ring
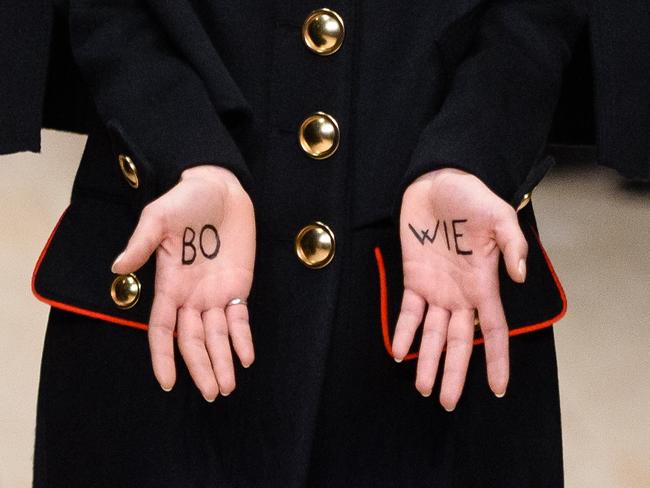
column 237, row 301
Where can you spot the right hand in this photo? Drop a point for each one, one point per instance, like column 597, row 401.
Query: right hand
column 194, row 284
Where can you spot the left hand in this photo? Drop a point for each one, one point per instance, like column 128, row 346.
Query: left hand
column 452, row 230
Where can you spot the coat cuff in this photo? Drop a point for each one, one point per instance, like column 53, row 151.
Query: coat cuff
column 150, row 96
column 174, row 136
column 502, row 94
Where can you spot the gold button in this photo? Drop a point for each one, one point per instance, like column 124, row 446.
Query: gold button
column 525, row 200
column 125, row 290
column 129, row 170
column 319, row 135
column 315, row 245
column 323, row 31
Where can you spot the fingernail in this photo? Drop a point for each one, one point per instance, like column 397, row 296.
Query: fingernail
column 522, row 269
column 166, row 389
column 500, row 395
column 427, row 394
column 224, row 394
column 246, row 365
column 398, row 360
column 208, row 400
column 448, row 409
column 117, row 260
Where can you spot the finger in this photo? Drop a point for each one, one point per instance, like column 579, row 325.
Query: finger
column 513, row 245
column 191, row 342
column 434, row 336
column 459, row 350
column 495, row 333
column 240, row 333
column 143, row 242
column 160, row 333
column 410, row 318
column 218, row 345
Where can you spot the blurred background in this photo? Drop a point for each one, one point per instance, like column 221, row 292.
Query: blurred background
column 594, row 224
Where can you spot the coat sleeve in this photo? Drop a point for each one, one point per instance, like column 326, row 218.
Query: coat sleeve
column 501, row 97
column 152, row 100
column 25, row 28
column 620, row 45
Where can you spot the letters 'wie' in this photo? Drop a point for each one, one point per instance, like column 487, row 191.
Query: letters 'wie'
column 423, row 235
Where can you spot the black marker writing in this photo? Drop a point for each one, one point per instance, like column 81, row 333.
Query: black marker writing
column 457, row 235
column 206, row 230
column 423, row 235
column 188, row 243
column 217, row 242
column 444, row 222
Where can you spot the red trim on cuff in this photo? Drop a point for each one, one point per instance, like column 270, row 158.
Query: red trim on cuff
column 383, row 303
column 67, row 306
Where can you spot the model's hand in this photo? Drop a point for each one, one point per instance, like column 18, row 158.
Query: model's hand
column 203, row 233
column 452, row 230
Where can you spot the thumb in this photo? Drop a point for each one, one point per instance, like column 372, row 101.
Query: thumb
column 513, row 246
column 143, row 242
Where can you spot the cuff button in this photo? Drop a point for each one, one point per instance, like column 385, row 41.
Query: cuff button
column 525, row 200
column 129, row 170
column 125, row 290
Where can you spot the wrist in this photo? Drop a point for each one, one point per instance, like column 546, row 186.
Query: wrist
column 436, row 174
column 210, row 172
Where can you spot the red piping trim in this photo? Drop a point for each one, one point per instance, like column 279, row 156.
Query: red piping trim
column 383, row 291
column 383, row 303
column 67, row 306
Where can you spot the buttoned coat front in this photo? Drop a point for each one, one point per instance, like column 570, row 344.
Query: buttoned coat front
column 413, row 87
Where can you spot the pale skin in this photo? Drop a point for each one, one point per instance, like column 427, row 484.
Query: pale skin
column 191, row 298
column 454, row 279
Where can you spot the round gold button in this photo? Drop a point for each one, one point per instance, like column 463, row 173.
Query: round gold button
column 125, row 290
column 319, row 135
column 129, row 170
column 315, row 245
column 323, row 31
column 524, row 201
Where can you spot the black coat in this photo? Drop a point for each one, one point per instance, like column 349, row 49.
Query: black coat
column 469, row 84
column 606, row 98
column 620, row 46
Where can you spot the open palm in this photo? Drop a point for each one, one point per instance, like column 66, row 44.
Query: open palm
column 203, row 233
column 453, row 230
